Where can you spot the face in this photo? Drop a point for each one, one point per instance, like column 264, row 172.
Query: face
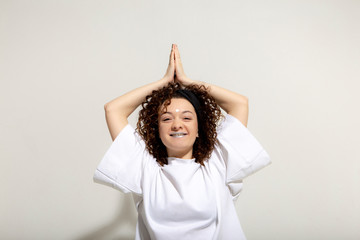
column 178, row 128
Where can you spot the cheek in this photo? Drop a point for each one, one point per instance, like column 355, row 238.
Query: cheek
column 162, row 130
column 194, row 128
column 196, row 125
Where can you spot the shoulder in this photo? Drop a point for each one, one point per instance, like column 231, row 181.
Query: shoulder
column 229, row 122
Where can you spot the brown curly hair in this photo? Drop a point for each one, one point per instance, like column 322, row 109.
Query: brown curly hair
column 148, row 123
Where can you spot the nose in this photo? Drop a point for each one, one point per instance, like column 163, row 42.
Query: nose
column 176, row 125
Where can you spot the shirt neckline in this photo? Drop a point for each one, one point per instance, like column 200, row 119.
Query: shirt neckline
column 175, row 160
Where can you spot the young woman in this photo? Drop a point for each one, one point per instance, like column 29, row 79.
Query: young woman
column 182, row 164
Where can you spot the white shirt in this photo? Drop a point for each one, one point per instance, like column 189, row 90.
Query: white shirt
column 184, row 200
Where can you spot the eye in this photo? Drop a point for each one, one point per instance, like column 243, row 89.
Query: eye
column 188, row 118
column 166, row 119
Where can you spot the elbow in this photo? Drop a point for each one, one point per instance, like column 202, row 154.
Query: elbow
column 108, row 107
column 244, row 101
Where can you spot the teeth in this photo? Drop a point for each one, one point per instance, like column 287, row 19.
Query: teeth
column 177, row 134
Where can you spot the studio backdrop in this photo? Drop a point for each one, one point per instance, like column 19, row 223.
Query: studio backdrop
column 297, row 62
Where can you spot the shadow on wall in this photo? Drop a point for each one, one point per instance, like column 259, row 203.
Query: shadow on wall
column 122, row 227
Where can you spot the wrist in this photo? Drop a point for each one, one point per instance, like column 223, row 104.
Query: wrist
column 189, row 81
column 163, row 81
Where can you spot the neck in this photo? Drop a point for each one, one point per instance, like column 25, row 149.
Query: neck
column 182, row 155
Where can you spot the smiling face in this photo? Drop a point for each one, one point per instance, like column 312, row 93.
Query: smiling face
column 178, row 128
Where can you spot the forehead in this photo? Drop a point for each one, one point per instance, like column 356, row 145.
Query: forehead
column 179, row 104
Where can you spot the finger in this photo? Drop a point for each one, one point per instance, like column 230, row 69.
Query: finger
column 172, row 58
column 172, row 50
column 177, row 53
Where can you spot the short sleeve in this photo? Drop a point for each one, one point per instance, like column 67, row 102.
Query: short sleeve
column 242, row 154
column 123, row 164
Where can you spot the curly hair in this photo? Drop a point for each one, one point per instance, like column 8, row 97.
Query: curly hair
column 148, row 123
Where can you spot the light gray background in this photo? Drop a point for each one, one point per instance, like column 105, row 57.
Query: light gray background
column 297, row 61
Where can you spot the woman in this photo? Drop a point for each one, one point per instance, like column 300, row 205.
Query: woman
column 182, row 167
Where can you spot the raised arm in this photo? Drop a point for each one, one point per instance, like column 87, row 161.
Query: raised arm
column 233, row 103
column 118, row 110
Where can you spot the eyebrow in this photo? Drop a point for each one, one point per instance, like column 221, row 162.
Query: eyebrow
column 186, row 111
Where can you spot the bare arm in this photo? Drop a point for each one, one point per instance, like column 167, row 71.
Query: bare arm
column 233, row 103
column 118, row 110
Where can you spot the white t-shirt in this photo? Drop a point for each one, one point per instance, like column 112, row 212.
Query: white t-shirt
column 184, row 200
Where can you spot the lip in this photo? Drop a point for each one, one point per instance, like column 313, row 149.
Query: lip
column 178, row 134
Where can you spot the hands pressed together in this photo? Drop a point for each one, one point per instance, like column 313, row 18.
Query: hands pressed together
column 175, row 71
